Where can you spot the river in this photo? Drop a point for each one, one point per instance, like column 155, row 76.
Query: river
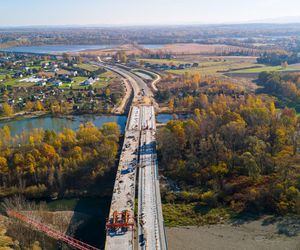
column 95, row 209
column 59, row 123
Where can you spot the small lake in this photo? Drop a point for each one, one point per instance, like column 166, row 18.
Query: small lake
column 46, row 49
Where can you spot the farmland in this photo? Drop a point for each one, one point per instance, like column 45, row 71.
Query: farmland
column 207, row 65
column 262, row 68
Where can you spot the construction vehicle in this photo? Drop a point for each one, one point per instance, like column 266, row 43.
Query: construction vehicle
column 120, row 223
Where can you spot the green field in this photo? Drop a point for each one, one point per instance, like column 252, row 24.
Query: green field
column 210, row 67
column 13, row 82
column 101, row 83
column 213, row 67
column 162, row 61
column 266, row 68
column 192, row 214
column 88, row 67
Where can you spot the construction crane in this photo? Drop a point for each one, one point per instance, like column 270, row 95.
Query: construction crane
column 50, row 231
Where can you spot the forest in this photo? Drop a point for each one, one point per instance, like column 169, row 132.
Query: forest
column 44, row 164
column 183, row 93
column 275, row 59
column 239, row 153
column 286, row 88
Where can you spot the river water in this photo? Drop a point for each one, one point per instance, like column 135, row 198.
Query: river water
column 47, row 49
column 58, row 124
column 92, row 231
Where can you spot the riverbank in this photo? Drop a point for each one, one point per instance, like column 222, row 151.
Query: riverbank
column 24, row 115
column 276, row 233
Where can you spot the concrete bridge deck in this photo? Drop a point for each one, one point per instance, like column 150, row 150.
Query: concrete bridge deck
column 138, row 154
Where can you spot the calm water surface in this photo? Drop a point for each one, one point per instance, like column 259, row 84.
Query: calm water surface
column 45, row 49
column 58, row 124
column 164, row 118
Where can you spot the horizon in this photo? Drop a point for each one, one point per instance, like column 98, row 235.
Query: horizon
column 273, row 21
column 137, row 13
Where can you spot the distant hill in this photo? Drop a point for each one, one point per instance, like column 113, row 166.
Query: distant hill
column 286, row 19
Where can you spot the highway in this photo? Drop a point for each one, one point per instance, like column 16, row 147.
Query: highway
column 138, row 156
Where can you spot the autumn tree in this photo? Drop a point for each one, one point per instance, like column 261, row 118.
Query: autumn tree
column 29, row 106
column 39, row 106
column 7, row 110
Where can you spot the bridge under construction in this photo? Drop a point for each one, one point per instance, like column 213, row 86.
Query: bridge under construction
column 137, row 168
column 138, row 161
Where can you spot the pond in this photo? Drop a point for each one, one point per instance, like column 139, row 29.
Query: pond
column 46, row 49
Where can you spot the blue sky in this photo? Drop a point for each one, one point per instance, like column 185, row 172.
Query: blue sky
column 127, row 12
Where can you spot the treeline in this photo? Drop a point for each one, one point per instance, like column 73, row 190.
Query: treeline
column 275, row 59
column 242, row 154
column 43, row 163
column 285, row 87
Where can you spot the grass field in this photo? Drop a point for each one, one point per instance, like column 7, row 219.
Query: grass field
column 207, row 66
column 12, row 82
column 162, row 61
column 104, row 80
column 266, row 68
column 88, row 67
column 214, row 67
column 192, row 214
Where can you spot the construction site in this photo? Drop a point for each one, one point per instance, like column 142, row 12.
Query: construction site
column 128, row 225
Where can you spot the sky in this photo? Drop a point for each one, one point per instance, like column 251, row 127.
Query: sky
column 141, row 12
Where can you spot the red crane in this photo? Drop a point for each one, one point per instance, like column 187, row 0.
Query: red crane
column 51, row 232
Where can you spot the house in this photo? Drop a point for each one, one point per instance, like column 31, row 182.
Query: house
column 41, row 83
column 88, row 82
column 74, row 73
column 64, row 64
column 18, row 75
column 133, row 63
column 57, row 83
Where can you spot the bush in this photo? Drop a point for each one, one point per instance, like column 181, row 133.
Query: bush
column 36, row 191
